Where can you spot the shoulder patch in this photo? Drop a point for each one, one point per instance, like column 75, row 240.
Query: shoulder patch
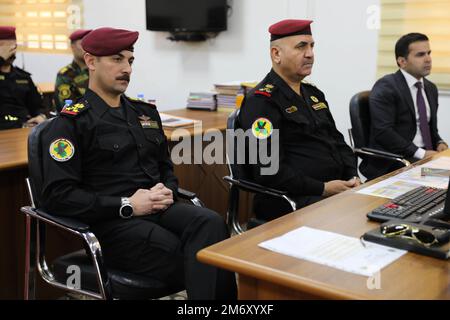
column 138, row 101
column 262, row 128
column 75, row 109
column 61, row 150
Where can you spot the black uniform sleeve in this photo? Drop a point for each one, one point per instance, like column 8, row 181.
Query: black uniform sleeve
column 383, row 120
column 287, row 179
column 63, row 192
column 168, row 177
column 347, row 155
column 34, row 100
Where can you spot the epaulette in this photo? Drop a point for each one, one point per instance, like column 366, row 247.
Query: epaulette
column 139, row 101
column 63, row 70
column 309, row 83
column 75, row 109
column 22, row 71
column 266, row 90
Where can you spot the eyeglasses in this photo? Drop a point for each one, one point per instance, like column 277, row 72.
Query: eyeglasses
column 424, row 237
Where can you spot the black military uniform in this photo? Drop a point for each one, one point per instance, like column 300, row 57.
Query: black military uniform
column 19, row 98
column 312, row 150
column 93, row 156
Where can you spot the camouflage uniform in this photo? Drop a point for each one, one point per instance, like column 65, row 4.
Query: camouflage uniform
column 71, row 83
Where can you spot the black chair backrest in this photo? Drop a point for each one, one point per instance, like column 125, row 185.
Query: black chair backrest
column 35, row 161
column 232, row 125
column 236, row 161
column 360, row 119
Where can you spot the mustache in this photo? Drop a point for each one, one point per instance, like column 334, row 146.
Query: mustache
column 124, row 77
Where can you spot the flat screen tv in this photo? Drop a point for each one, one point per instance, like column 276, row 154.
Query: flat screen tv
column 187, row 15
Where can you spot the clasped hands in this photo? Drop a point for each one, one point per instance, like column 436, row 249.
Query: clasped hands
column 150, row 201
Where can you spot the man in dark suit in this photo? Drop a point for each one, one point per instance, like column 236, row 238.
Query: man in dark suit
column 403, row 108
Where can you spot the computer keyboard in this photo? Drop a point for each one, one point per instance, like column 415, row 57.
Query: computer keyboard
column 415, row 205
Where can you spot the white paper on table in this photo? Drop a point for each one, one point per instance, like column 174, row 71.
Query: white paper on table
column 406, row 181
column 414, row 175
column 390, row 188
column 334, row 250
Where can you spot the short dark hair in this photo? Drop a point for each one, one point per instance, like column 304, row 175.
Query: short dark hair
column 402, row 45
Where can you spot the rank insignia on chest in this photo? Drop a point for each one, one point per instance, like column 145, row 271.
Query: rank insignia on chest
column 24, row 81
column 291, row 109
column 319, row 106
column 262, row 128
column 61, row 150
column 314, row 99
column 2, row 77
column 147, row 123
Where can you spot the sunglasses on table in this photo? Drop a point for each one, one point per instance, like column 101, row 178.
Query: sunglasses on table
column 421, row 236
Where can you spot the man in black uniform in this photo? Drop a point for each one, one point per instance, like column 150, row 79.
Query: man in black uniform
column 314, row 160
column 20, row 102
column 106, row 162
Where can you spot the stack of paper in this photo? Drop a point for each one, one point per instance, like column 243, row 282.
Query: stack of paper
column 202, row 101
column 230, row 94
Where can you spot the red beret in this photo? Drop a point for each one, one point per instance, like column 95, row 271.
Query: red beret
column 108, row 41
column 7, row 33
column 289, row 27
column 79, row 34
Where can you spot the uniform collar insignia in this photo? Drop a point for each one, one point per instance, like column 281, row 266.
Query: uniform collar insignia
column 267, row 88
column 314, row 99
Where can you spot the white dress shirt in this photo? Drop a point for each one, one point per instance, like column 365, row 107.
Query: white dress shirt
column 418, row 140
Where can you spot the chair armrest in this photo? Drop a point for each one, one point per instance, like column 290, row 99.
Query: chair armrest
column 254, row 187
column 185, row 194
column 62, row 222
column 191, row 196
column 383, row 153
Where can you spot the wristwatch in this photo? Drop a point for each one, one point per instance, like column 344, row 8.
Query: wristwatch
column 126, row 209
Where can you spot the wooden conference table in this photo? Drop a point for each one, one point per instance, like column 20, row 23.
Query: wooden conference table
column 264, row 274
column 205, row 180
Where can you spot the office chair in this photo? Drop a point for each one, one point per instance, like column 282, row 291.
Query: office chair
column 239, row 180
column 96, row 279
column 360, row 131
